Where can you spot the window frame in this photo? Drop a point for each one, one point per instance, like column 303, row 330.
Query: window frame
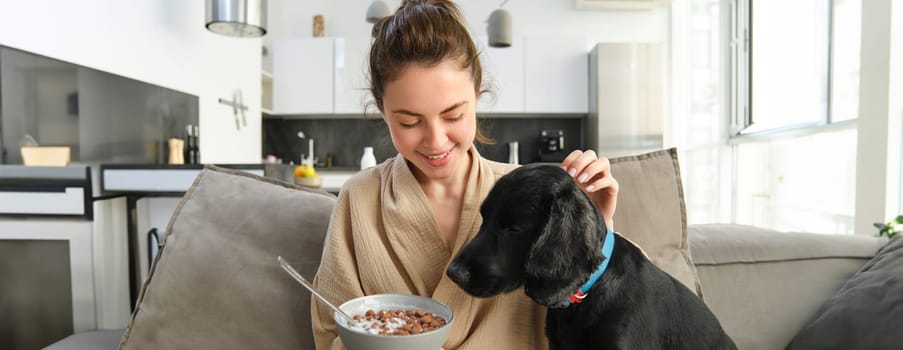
column 739, row 44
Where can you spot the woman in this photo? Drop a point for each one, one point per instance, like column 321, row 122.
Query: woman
column 396, row 226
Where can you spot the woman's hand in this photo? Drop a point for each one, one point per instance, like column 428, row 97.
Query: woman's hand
column 593, row 176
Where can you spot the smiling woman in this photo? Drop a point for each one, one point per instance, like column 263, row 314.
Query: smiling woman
column 431, row 117
column 398, row 225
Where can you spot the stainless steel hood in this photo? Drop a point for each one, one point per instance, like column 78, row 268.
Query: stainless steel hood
column 239, row 18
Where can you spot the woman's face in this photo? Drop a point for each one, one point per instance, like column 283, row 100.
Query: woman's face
column 431, row 114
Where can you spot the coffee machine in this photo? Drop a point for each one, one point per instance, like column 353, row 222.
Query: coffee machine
column 551, row 146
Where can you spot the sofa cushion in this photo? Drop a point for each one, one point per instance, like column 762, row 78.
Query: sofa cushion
column 866, row 312
column 216, row 283
column 651, row 211
column 764, row 285
column 750, row 244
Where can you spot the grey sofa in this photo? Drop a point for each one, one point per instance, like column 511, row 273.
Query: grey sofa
column 763, row 285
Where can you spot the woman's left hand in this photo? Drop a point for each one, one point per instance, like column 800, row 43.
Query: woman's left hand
column 593, row 176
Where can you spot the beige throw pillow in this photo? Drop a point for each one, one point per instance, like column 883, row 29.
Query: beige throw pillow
column 651, row 211
column 216, row 283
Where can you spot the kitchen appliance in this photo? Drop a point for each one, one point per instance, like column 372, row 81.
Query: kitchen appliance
column 551, row 146
column 240, row 18
column 628, row 95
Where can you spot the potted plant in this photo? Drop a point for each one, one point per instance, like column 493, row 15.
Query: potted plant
column 888, row 229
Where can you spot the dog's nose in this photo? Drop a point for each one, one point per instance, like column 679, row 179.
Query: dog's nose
column 457, row 273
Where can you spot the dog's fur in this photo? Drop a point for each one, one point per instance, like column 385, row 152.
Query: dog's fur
column 540, row 231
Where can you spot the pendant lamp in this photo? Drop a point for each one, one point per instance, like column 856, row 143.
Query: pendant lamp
column 377, row 10
column 499, row 28
column 239, row 18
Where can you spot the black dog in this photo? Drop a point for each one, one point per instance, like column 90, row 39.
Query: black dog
column 540, row 231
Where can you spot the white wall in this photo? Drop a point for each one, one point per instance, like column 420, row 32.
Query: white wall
column 880, row 113
column 290, row 18
column 162, row 42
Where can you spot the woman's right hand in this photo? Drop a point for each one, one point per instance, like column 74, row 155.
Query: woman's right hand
column 593, row 175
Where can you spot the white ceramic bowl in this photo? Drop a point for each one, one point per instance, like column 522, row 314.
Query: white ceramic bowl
column 355, row 339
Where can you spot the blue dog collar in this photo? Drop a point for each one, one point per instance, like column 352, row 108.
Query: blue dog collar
column 607, row 248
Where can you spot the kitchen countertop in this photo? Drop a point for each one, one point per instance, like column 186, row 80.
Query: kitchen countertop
column 177, row 167
column 21, row 173
column 148, row 179
column 157, row 179
column 333, row 177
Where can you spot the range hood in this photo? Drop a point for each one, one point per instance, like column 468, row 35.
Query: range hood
column 239, row 18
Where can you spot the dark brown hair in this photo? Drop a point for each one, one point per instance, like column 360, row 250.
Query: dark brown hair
column 423, row 32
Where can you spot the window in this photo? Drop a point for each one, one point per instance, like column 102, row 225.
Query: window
column 788, row 64
column 803, row 75
column 772, row 90
column 799, row 61
column 845, row 59
column 707, row 186
column 803, row 184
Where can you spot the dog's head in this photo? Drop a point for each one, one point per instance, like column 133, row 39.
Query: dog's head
column 539, row 230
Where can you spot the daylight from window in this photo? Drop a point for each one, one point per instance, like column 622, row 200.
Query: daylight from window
column 793, row 174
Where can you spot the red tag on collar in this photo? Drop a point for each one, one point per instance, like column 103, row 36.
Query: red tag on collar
column 577, row 298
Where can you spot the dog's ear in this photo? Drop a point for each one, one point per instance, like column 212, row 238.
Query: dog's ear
column 554, row 266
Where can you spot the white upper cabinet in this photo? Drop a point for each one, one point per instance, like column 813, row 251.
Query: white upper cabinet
column 303, row 76
column 329, row 76
column 351, row 85
column 557, row 75
column 503, row 69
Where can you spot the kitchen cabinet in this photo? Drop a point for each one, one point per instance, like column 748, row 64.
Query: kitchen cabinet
column 537, row 75
column 556, row 78
column 351, row 91
column 69, row 253
column 321, row 76
column 303, row 76
column 324, row 76
column 503, row 68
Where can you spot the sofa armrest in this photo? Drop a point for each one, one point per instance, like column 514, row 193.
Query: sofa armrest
column 764, row 285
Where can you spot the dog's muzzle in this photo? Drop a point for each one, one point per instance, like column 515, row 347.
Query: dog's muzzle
column 458, row 274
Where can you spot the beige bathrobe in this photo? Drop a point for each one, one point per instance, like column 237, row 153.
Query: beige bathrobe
column 383, row 238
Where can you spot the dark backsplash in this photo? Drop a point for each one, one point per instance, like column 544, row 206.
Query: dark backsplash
column 345, row 138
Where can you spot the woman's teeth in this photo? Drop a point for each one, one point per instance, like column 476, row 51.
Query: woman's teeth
column 443, row 155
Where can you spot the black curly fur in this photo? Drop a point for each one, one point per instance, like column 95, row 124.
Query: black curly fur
column 540, row 231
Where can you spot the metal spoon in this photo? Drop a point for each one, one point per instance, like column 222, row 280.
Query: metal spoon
column 297, row 276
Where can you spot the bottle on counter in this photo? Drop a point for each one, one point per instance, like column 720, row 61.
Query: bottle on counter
column 197, row 144
column 194, row 146
column 513, row 153
column 189, row 145
column 368, row 159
